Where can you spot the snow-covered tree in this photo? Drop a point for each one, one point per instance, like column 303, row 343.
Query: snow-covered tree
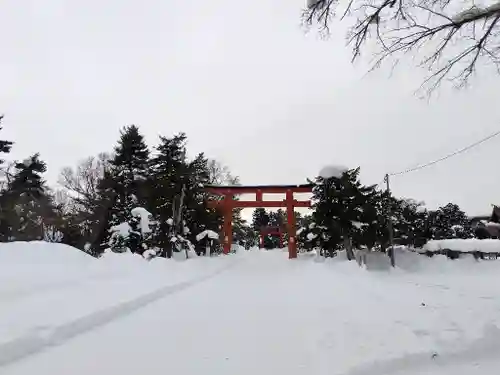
column 29, row 207
column 260, row 218
column 448, row 221
column 123, row 186
column 308, row 234
column 134, row 235
column 339, row 205
column 410, row 222
column 168, row 169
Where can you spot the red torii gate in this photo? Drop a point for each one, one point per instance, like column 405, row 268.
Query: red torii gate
column 228, row 203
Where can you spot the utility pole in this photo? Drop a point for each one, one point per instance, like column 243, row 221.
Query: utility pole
column 389, row 221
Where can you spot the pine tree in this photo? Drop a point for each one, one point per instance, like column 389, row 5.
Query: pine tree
column 451, row 222
column 195, row 213
column 370, row 228
column 168, row 172
column 409, row 229
column 129, row 170
column 30, row 209
column 260, row 218
column 123, row 187
column 307, row 233
column 339, row 204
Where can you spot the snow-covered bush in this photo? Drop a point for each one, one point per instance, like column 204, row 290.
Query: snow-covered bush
column 132, row 235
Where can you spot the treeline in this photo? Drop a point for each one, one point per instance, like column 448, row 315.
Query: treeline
column 133, row 199
column 152, row 199
column 347, row 214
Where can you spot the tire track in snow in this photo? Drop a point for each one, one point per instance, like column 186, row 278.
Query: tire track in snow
column 43, row 337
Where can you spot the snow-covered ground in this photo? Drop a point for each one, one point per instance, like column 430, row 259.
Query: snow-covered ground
column 250, row 313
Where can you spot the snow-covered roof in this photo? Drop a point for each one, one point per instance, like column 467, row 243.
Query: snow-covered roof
column 207, row 233
column 145, row 217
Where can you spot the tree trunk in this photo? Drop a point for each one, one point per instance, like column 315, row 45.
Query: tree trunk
column 348, row 248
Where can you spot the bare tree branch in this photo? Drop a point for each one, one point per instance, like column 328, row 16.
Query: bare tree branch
column 449, row 43
column 83, row 180
column 220, row 174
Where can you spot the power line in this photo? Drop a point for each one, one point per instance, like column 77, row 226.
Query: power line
column 447, row 156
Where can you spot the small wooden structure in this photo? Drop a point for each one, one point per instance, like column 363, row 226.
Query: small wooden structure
column 228, row 203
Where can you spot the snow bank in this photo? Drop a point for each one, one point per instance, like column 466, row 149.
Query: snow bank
column 48, row 287
column 41, row 253
column 466, row 246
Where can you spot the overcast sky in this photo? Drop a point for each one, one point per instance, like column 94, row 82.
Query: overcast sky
column 246, row 84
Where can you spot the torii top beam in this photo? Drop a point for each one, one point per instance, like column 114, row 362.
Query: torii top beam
column 264, row 189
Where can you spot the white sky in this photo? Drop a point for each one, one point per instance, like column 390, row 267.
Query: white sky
column 229, row 73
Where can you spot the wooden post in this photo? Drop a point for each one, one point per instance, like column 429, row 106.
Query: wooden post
column 292, row 245
column 258, row 196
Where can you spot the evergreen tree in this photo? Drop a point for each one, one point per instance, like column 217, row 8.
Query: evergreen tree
column 30, row 209
column 410, row 228
column 246, row 236
column 378, row 208
column 371, row 228
column 339, row 204
column 129, row 171
column 307, row 233
column 168, row 172
column 451, row 222
column 123, row 186
column 260, row 218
